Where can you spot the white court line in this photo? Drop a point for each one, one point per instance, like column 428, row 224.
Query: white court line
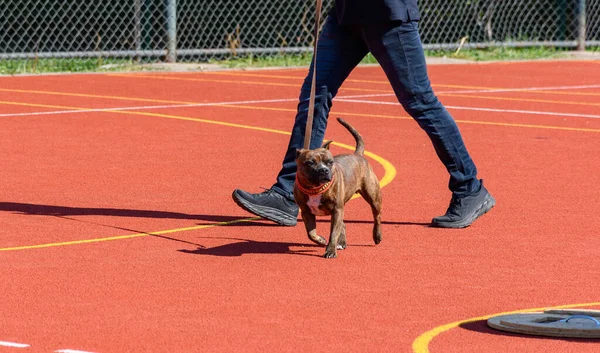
column 494, row 90
column 557, row 88
column 591, row 116
column 348, row 98
column 71, row 351
column 13, row 344
column 148, row 107
column 533, row 112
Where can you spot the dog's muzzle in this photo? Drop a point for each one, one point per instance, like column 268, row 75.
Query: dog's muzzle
column 320, row 176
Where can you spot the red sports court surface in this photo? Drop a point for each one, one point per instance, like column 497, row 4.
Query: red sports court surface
column 118, row 232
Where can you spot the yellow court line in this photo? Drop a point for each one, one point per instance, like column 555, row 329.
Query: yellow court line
column 563, row 93
column 389, row 91
column 41, row 105
column 421, row 344
column 287, row 110
column 281, row 84
column 384, row 82
column 547, row 127
column 244, row 74
column 389, row 175
column 517, row 90
column 520, row 99
column 263, row 83
column 258, row 83
column 230, row 73
column 214, row 122
column 399, row 117
column 131, row 236
column 85, row 95
column 188, row 102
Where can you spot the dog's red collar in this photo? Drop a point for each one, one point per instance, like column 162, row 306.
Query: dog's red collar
column 321, row 189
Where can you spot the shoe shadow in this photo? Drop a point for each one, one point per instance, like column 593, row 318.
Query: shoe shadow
column 244, row 247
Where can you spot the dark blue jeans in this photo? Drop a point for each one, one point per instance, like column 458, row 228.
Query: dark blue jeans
column 398, row 49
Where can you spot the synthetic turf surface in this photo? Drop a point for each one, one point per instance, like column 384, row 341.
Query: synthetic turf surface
column 118, row 232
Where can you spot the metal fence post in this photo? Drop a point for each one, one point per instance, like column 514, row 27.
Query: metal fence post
column 581, row 17
column 137, row 32
column 562, row 19
column 171, row 31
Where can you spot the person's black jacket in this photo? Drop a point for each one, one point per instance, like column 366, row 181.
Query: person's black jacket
column 375, row 11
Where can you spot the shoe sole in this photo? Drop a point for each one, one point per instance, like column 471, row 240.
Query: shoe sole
column 272, row 214
column 488, row 203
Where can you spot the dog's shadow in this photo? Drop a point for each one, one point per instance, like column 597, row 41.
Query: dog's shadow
column 244, row 246
column 237, row 248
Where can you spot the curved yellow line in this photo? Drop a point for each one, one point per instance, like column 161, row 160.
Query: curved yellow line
column 421, row 344
column 390, row 173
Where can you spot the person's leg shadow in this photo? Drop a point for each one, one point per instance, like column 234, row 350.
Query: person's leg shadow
column 68, row 211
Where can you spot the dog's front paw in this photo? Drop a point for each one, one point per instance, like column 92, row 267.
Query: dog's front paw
column 341, row 246
column 317, row 239
column 330, row 254
column 377, row 237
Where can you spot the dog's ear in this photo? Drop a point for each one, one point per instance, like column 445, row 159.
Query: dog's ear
column 298, row 152
column 326, row 145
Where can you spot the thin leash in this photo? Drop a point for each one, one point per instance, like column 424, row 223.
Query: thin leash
column 313, row 87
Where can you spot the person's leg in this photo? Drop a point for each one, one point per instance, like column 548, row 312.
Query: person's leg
column 398, row 48
column 340, row 49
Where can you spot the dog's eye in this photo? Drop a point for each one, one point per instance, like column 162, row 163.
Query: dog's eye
column 309, row 163
column 329, row 162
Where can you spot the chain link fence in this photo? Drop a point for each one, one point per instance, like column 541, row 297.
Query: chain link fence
column 199, row 30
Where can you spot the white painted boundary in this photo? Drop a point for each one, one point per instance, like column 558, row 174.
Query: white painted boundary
column 25, row 345
column 348, row 99
column 534, row 112
column 13, row 344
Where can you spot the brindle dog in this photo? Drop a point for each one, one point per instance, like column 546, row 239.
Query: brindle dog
column 325, row 183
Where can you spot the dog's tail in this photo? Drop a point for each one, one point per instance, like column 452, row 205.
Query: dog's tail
column 360, row 144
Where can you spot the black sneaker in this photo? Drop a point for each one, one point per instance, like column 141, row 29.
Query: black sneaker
column 465, row 210
column 268, row 204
